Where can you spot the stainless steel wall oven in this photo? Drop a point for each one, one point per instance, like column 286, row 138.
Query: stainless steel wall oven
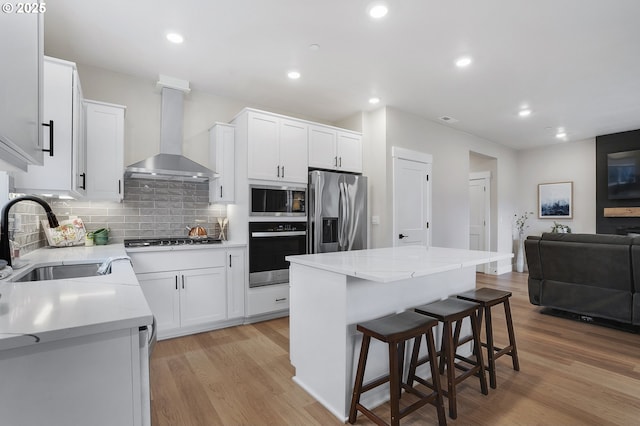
column 269, row 243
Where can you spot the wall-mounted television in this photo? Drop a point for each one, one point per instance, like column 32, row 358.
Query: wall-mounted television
column 623, row 171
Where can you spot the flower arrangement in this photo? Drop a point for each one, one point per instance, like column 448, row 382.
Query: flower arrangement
column 521, row 221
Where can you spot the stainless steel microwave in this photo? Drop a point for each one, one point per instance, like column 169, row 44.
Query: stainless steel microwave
column 277, row 201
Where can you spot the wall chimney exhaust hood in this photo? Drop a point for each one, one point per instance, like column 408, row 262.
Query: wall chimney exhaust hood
column 170, row 164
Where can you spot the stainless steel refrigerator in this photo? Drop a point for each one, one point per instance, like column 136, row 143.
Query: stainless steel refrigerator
column 337, row 212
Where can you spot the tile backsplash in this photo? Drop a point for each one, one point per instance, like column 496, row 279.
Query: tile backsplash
column 151, row 208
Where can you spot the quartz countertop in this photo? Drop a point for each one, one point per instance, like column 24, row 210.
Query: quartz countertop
column 397, row 263
column 43, row 311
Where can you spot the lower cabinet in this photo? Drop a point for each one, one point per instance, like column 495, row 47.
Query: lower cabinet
column 192, row 299
column 271, row 301
column 185, row 298
column 99, row 379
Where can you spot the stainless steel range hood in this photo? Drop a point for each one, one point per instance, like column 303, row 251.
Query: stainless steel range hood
column 170, row 164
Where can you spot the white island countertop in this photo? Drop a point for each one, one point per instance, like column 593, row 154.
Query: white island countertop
column 397, row 263
column 42, row 311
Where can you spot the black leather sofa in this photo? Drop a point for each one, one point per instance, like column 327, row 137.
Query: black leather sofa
column 589, row 274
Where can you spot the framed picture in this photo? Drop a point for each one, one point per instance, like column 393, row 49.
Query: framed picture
column 555, row 200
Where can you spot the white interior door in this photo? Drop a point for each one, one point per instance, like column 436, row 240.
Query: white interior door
column 479, row 213
column 411, row 197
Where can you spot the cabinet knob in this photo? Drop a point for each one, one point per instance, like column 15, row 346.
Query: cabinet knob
column 401, row 236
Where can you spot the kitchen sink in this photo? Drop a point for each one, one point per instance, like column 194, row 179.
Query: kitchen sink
column 58, row 272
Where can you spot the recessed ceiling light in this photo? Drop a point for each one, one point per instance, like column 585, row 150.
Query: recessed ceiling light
column 524, row 112
column 561, row 134
column 374, row 100
column 314, row 47
column 464, row 61
column 377, row 10
column 293, row 75
column 175, row 38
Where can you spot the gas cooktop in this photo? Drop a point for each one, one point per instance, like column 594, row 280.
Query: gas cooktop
column 170, row 241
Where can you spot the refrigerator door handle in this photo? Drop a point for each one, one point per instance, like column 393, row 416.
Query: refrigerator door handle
column 344, row 216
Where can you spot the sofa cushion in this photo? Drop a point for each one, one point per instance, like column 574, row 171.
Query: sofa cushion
column 589, row 238
column 605, row 264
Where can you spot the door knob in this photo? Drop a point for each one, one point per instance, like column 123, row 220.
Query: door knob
column 401, row 236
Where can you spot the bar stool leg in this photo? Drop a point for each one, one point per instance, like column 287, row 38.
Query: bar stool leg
column 475, row 328
column 394, row 384
column 435, row 377
column 449, row 357
column 357, row 388
column 512, row 336
column 490, row 349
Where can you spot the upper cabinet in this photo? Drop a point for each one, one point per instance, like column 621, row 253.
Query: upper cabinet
column 105, row 150
column 222, row 159
column 64, row 167
column 277, row 148
column 335, row 149
column 21, row 51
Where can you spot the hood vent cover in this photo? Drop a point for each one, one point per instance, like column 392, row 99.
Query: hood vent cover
column 170, row 164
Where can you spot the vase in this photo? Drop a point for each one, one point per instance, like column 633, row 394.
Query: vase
column 520, row 254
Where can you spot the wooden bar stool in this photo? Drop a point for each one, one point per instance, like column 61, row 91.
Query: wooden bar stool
column 487, row 298
column 395, row 330
column 450, row 311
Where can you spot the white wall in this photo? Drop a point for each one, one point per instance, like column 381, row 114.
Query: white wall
column 450, row 149
column 571, row 161
column 374, row 164
column 142, row 120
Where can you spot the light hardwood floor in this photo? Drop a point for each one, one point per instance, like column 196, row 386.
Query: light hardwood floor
column 571, row 373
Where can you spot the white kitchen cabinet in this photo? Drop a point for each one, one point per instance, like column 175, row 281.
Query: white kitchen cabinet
column 335, row 149
column 162, row 294
column 183, row 299
column 64, row 166
column 192, row 290
column 203, row 296
column 236, row 282
column 277, row 148
column 268, row 301
column 222, row 158
column 100, row 379
column 21, row 72
column 104, row 125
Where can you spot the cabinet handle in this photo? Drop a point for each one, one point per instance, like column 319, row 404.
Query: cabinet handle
column 176, row 282
column 183, row 282
column 84, row 180
column 278, row 171
column 119, row 186
column 335, row 161
column 50, row 126
column 282, row 171
column 229, row 261
column 340, row 165
column 220, row 191
column 281, row 299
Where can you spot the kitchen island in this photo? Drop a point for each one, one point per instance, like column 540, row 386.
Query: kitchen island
column 332, row 292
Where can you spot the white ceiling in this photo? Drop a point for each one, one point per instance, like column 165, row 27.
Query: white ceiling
column 575, row 63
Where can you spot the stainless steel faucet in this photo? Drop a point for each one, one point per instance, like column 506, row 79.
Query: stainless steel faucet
column 5, row 250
